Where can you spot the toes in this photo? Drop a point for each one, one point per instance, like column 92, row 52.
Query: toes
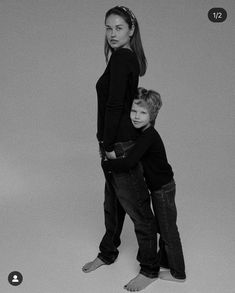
column 86, row 268
column 131, row 289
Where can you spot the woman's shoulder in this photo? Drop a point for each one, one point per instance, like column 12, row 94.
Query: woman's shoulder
column 125, row 58
column 123, row 54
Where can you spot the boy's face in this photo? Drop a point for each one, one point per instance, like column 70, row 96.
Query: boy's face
column 140, row 117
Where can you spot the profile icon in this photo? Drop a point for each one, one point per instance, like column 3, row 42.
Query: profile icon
column 15, row 278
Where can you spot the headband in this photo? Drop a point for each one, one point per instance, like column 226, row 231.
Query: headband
column 129, row 12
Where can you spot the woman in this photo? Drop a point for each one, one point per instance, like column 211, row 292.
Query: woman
column 124, row 192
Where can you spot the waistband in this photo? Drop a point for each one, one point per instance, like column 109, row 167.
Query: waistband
column 167, row 187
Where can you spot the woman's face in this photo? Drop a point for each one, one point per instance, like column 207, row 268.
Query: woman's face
column 118, row 32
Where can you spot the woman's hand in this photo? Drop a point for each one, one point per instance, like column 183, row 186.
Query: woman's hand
column 101, row 150
column 111, row 155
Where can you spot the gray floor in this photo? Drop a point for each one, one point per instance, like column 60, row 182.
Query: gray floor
column 51, row 222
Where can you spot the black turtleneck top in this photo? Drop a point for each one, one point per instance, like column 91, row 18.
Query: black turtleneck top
column 150, row 150
column 116, row 89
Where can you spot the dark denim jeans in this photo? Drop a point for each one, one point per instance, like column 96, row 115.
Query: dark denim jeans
column 170, row 253
column 128, row 193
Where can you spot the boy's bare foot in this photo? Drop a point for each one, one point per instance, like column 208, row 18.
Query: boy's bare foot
column 93, row 265
column 139, row 283
column 167, row 276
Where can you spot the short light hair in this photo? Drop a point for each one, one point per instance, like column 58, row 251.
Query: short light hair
column 151, row 100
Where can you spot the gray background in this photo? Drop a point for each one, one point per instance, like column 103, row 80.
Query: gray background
column 51, row 184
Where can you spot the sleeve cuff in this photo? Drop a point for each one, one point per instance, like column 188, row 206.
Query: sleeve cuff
column 109, row 148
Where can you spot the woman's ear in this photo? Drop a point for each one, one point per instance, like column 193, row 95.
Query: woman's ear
column 132, row 30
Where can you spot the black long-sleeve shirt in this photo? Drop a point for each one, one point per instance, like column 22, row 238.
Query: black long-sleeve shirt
column 150, row 150
column 116, row 89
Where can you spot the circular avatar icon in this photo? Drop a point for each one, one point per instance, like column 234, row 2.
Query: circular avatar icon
column 15, row 278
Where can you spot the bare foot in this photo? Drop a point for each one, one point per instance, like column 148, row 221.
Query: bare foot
column 93, row 265
column 139, row 283
column 167, row 276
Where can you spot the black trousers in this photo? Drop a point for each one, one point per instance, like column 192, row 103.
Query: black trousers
column 170, row 253
column 128, row 193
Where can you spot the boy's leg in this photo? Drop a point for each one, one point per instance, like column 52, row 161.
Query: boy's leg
column 164, row 207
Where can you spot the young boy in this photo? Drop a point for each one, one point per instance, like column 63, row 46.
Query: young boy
column 150, row 150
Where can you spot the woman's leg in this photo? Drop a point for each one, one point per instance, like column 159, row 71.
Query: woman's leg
column 134, row 197
column 114, row 216
column 164, row 207
column 162, row 255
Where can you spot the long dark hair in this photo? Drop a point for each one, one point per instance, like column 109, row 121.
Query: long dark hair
column 135, row 42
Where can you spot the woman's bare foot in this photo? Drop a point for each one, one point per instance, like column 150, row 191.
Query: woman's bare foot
column 93, row 265
column 139, row 283
column 167, row 276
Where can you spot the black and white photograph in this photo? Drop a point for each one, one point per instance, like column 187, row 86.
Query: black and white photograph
column 117, row 139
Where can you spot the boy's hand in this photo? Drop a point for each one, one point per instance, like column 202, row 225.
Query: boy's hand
column 111, row 155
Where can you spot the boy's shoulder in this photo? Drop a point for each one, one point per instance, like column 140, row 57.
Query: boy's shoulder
column 148, row 134
column 150, row 131
column 152, row 134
